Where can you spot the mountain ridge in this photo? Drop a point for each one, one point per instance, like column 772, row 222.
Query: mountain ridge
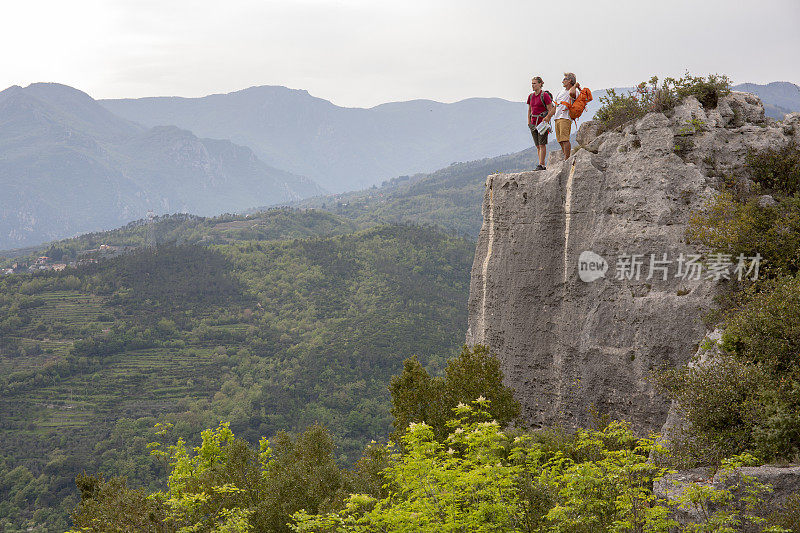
column 70, row 166
column 341, row 148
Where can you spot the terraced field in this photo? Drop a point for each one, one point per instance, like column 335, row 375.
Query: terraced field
column 72, row 308
column 56, row 320
column 79, row 398
column 139, row 383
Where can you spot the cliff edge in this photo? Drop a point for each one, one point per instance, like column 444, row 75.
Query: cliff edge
column 583, row 282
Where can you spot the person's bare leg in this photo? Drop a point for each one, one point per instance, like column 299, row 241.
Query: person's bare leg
column 566, row 147
column 542, row 153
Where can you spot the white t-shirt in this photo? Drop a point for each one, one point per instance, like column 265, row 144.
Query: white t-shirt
column 561, row 109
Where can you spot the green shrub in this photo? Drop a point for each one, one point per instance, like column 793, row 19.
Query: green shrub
column 747, row 398
column 707, row 90
column 789, row 517
column 719, row 403
column 737, row 506
column 766, row 330
column 482, row 480
column 683, row 137
column 111, row 507
column 728, row 226
column 619, row 109
column 766, row 334
column 776, row 168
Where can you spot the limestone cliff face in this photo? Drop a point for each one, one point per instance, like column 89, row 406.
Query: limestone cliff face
column 570, row 347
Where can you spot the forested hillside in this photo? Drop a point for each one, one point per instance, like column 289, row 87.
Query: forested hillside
column 181, row 228
column 268, row 335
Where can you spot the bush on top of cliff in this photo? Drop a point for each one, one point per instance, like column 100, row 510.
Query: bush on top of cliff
column 619, row 109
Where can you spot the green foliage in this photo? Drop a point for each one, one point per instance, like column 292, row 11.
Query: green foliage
column 477, row 480
column 766, row 330
column 708, row 90
column 222, row 485
column 734, row 507
column 617, row 110
column 684, row 142
column 111, row 507
column 730, row 227
column 722, row 403
column 747, row 399
column 611, row 490
column 366, row 476
column 788, row 517
column 213, row 488
column 301, row 474
column 416, row 397
column 776, row 169
column 766, row 334
column 151, row 280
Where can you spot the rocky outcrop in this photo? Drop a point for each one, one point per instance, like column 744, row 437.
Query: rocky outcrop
column 579, row 283
column 779, row 484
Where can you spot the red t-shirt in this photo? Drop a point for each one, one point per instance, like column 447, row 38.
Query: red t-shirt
column 538, row 105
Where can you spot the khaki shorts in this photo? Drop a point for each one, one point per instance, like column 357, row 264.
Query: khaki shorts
column 563, row 125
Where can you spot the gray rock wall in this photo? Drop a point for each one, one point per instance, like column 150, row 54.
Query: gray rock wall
column 781, row 482
column 570, row 347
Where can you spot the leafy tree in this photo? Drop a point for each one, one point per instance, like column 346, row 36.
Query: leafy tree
column 746, row 398
column 416, row 397
column 299, row 474
column 776, row 169
column 225, row 485
column 729, row 226
column 214, row 488
column 111, row 507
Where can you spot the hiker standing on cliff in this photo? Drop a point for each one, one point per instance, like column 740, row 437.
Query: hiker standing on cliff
column 563, row 100
column 540, row 109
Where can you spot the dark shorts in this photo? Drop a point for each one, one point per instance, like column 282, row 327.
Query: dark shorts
column 538, row 140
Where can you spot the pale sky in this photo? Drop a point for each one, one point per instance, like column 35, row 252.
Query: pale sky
column 359, row 53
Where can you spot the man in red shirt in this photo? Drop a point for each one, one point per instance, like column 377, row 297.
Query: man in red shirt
column 540, row 109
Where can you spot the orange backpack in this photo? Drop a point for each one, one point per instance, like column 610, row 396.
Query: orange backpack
column 576, row 108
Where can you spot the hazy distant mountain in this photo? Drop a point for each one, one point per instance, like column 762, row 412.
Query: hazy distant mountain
column 343, row 148
column 779, row 97
column 67, row 166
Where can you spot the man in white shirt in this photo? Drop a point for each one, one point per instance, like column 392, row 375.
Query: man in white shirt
column 563, row 123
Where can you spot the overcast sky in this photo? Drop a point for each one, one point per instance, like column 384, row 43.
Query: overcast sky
column 359, row 53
